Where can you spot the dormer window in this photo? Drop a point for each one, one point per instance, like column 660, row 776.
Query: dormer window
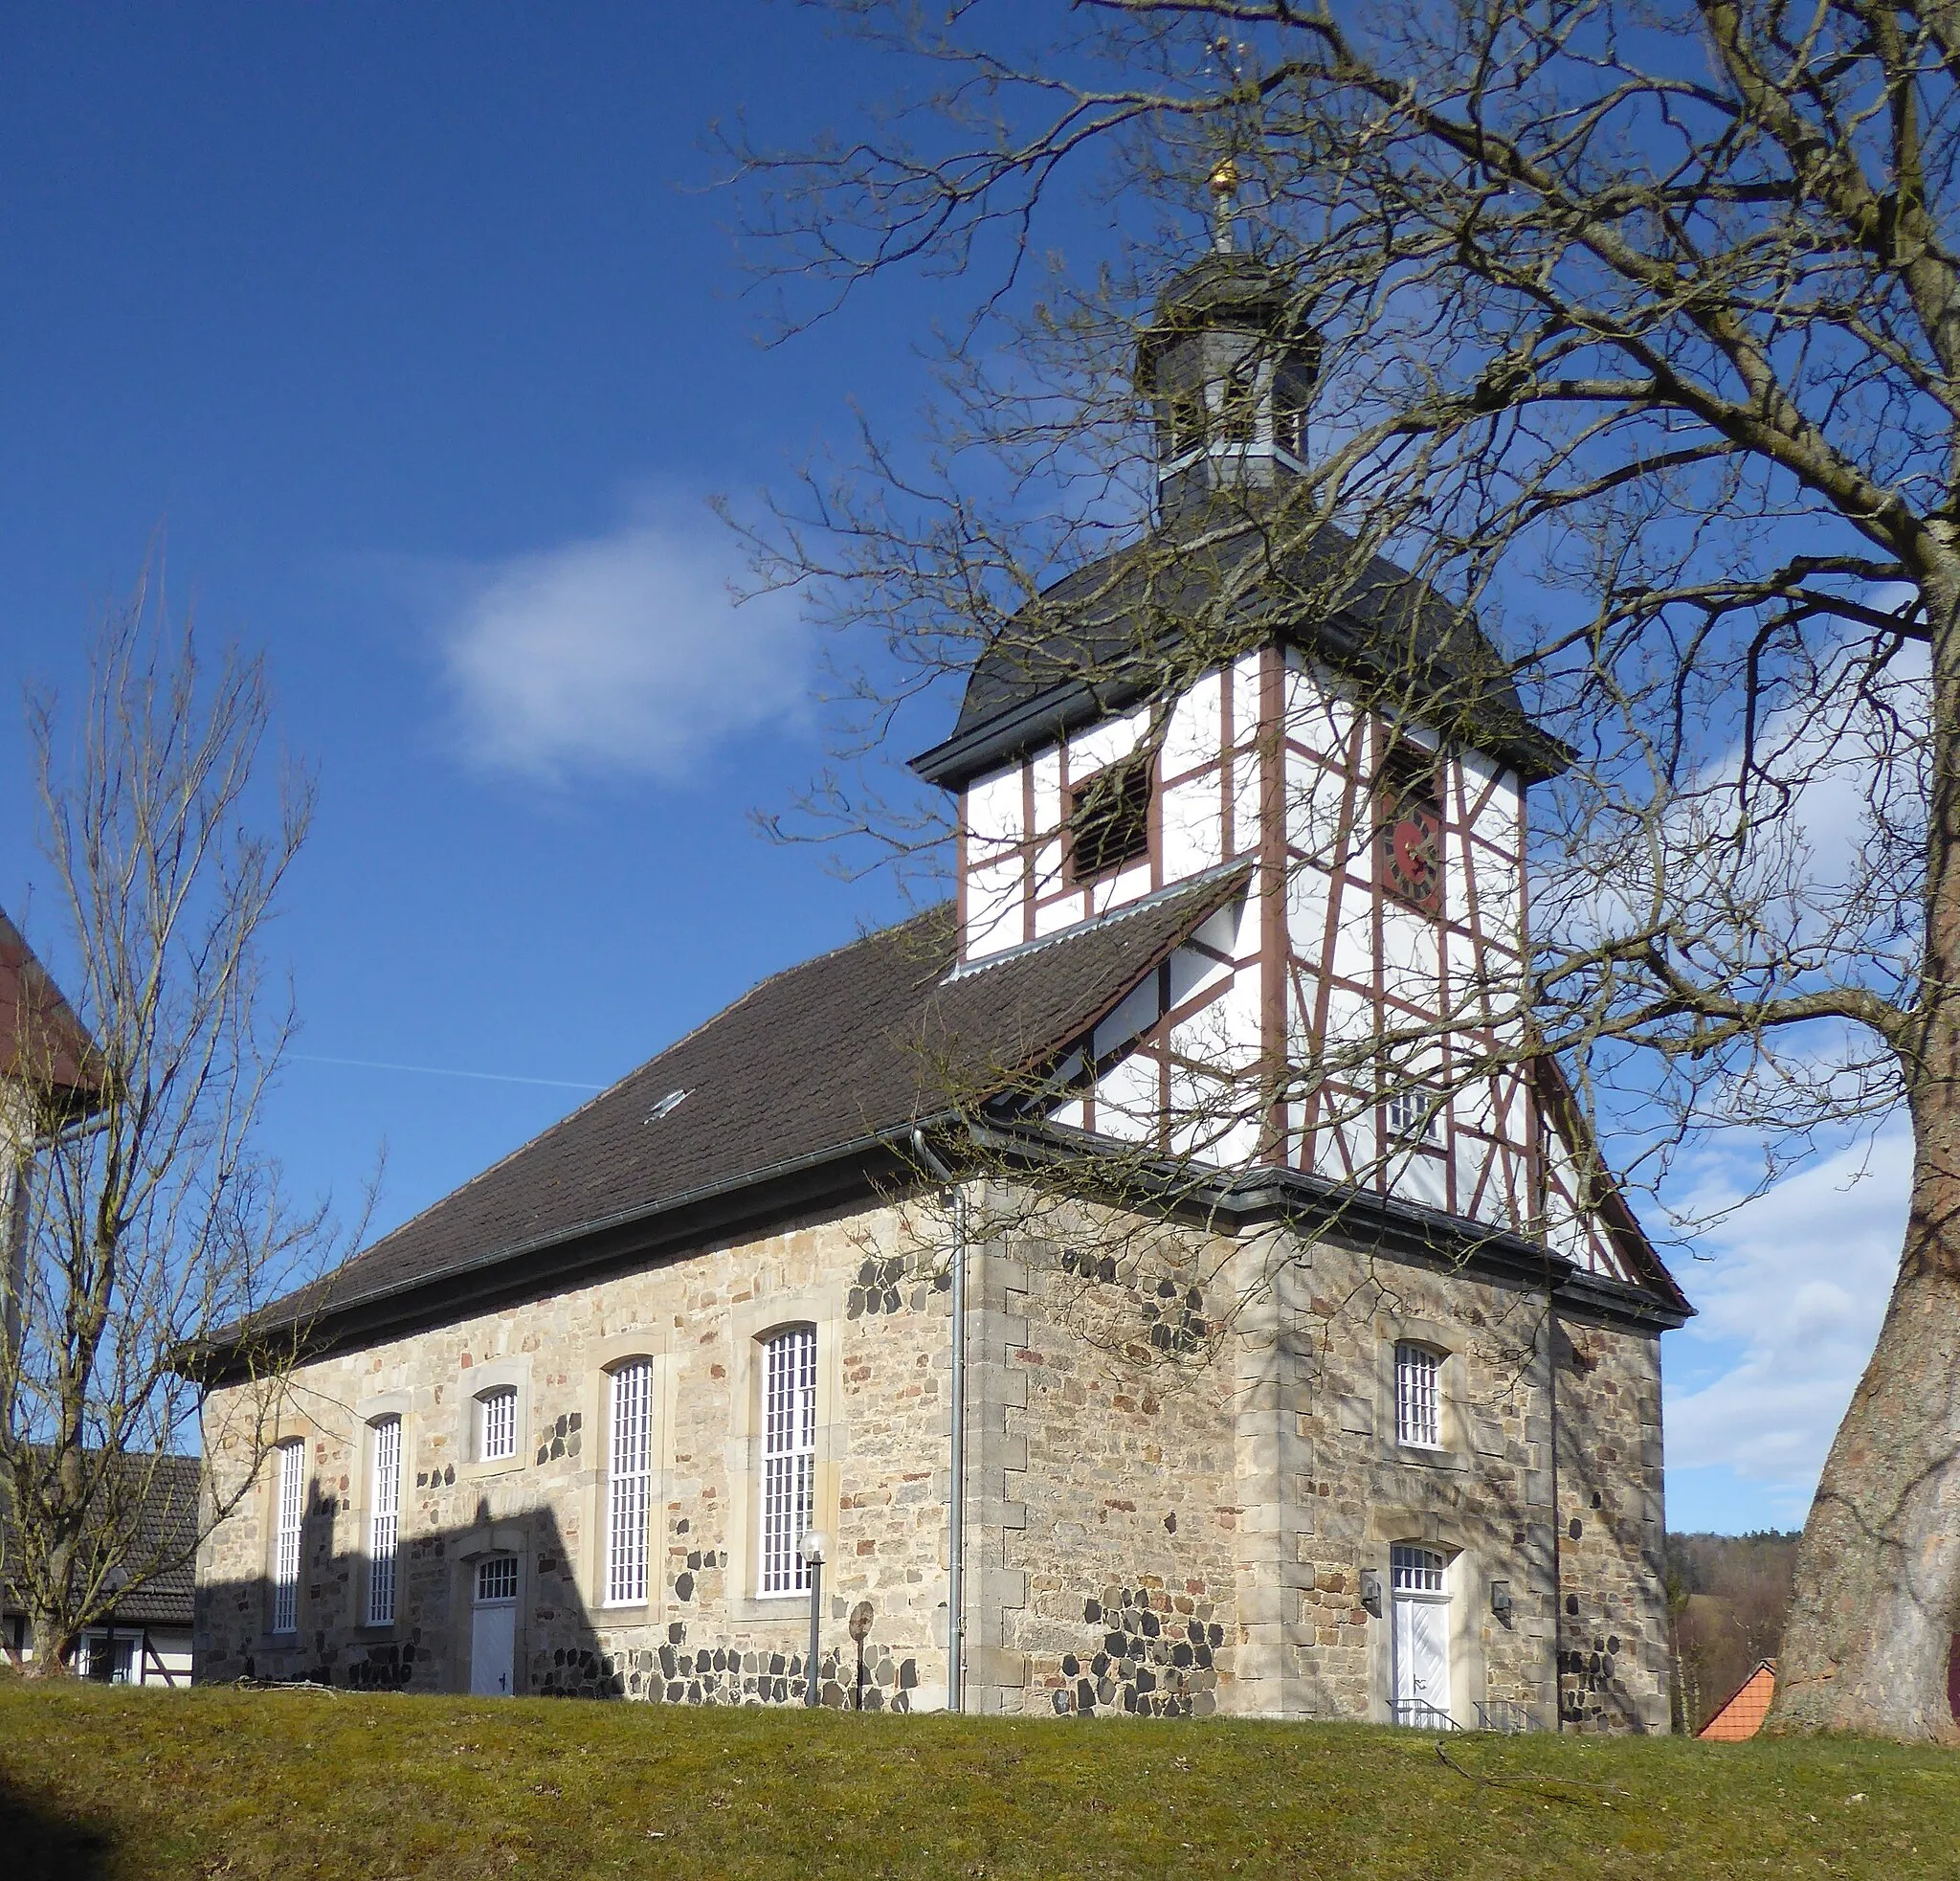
column 1109, row 820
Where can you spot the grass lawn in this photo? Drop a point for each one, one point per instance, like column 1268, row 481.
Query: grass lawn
column 103, row 1782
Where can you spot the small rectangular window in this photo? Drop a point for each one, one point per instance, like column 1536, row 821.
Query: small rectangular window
column 1418, row 1397
column 629, row 1468
column 788, row 1458
column 385, row 1521
column 1414, row 1116
column 1109, row 820
column 289, row 1507
column 497, row 1579
column 1414, row 1570
column 496, row 1424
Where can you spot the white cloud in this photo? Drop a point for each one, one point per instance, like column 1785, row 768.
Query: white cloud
column 624, row 654
column 1790, row 1306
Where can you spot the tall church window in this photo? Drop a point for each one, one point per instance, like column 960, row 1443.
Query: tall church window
column 384, row 1522
column 1418, row 1396
column 789, row 1457
column 1109, row 819
column 1409, row 848
column 629, row 1483
column 497, row 1423
column 288, row 1507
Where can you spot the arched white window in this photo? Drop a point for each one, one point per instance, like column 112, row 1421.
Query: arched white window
column 384, row 1521
column 1418, row 1396
column 497, row 1423
column 629, row 1477
column 289, row 1506
column 788, row 1456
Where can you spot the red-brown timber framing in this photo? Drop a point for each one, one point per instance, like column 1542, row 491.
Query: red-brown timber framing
column 1288, row 738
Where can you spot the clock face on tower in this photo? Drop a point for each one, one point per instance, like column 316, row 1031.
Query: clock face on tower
column 1410, row 848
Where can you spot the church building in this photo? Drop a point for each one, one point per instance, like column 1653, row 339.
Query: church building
column 1158, row 1280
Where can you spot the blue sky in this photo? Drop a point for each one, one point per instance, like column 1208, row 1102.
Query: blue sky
column 418, row 334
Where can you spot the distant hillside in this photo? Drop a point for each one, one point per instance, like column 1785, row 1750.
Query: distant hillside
column 1728, row 1596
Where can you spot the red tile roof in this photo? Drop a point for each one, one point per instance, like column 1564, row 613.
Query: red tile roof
column 42, row 1043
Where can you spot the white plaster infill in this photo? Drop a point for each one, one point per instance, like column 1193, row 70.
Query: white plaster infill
column 1157, row 898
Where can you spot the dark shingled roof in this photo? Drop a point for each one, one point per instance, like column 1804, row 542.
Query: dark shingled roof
column 852, row 1046
column 1092, row 643
column 166, row 1525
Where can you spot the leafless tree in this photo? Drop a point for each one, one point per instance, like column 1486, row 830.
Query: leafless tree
column 147, row 1213
column 1637, row 330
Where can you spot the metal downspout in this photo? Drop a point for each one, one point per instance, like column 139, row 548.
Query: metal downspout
column 956, row 1550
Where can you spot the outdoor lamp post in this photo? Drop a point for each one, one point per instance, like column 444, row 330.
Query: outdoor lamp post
column 815, row 1546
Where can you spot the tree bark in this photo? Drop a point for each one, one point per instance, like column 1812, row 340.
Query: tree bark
column 1876, row 1600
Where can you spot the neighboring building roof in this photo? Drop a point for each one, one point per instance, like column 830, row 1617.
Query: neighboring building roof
column 1092, row 643
column 836, row 1054
column 1741, row 1715
column 42, row 1043
column 166, row 1524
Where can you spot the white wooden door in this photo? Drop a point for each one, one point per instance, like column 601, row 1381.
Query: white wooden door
column 1422, row 1662
column 493, row 1628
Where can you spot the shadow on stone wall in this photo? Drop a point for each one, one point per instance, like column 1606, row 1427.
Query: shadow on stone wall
column 557, row 1649
column 439, row 1627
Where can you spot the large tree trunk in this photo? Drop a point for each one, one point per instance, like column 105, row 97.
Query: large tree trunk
column 52, row 1644
column 1877, row 1595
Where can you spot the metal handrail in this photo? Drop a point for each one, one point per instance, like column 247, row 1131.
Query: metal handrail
column 1419, row 1714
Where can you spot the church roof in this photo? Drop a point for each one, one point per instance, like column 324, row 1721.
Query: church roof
column 1093, row 643
column 827, row 1058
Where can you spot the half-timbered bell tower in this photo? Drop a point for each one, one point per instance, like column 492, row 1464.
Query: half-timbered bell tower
column 1339, row 793
column 1228, row 365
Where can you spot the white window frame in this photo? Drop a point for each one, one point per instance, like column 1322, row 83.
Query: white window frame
column 289, row 1510
column 496, row 1581
column 384, row 1517
column 1415, row 1117
column 628, row 1480
column 1418, row 1395
column 497, row 1423
column 789, row 1460
column 125, row 1665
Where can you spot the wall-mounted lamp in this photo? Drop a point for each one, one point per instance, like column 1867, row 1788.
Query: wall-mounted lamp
column 1501, row 1601
column 1371, row 1591
column 813, row 1547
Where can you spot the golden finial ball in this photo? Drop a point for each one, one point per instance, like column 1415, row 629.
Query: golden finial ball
column 1225, row 180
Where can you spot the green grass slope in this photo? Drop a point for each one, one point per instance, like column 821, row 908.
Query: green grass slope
column 100, row 1784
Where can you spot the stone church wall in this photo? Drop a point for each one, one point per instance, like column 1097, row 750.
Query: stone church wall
column 1613, row 1653
column 1183, row 1484
column 881, row 1314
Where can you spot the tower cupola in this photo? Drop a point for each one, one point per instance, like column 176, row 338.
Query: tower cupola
column 1229, row 364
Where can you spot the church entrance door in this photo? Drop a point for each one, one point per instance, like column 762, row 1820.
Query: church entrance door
column 1421, row 1638
column 493, row 1628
